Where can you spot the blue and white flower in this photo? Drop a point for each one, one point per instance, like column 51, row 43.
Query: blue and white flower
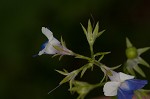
column 122, row 85
column 53, row 46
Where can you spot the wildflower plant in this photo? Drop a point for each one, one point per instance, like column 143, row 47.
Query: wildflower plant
column 123, row 84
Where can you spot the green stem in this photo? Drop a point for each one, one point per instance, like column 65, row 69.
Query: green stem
column 92, row 52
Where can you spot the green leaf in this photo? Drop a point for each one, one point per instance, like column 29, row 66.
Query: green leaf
column 128, row 43
column 139, row 70
column 142, row 50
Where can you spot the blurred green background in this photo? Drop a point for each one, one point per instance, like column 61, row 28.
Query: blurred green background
column 25, row 77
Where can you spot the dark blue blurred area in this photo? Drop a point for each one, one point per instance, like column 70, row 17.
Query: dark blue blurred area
column 25, row 77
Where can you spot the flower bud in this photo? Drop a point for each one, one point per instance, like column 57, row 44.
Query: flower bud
column 131, row 52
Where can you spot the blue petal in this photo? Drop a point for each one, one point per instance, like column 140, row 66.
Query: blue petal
column 43, row 45
column 124, row 94
column 135, row 84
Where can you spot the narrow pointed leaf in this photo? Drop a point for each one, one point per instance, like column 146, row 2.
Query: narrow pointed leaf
column 100, row 58
column 115, row 67
column 55, row 55
column 65, row 71
column 66, row 79
column 62, row 42
column 84, row 30
column 60, row 57
column 100, row 33
column 83, row 71
column 89, row 29
column 128, row 43
column 61, row 72
column 95, row 32
column 142, row 50
column 139, row 70
column 101, row 53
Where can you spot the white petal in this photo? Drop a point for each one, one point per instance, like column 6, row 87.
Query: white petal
column 115, row 76
column 50, row 49
column 47, row 33
column 111, row 88
column 124, row 77
column 55, row 42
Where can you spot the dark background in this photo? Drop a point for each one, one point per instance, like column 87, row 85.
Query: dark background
column 25, row 77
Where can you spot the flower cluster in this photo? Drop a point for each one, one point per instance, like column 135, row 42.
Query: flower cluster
column 123, row 85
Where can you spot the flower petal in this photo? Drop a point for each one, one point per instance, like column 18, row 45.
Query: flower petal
column 135, row 84
column 48, row 49
column 42, row 50
column 55, row 42
column 110, row 88
column 47, row 33
column 123, row 94
column 115, row 76
column 124, row 77
column 44, row 45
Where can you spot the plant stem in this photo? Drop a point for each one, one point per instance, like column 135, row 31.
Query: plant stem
column 92, row 52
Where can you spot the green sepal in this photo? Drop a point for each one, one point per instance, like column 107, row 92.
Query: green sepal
column 115, row 67
column 63, row 42
column 142, row 50
column 131, row 71
column 58, row 48
column 85, row 67
column 100, row 33
column 61, row 72
column 55, row 55
column 101, row 53
column 89, row 29
column 66, row 79
column 83, row 71
column 96, row 29
column 82, row 57
column 60, row 57
column 128, row 43
column 143, row 62
column 139, row 70
column 84, row 30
